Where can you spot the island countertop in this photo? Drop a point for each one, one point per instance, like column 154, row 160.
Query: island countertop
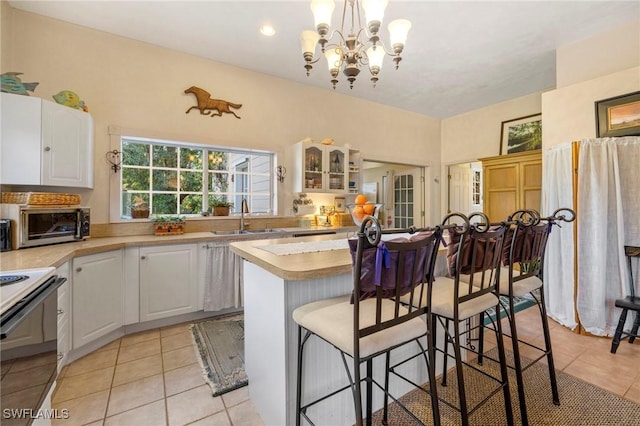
column 297, row 266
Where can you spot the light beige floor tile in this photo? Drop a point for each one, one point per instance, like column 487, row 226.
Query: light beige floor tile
column 135, row 394
column 93, row 361
column 179, row 358
column 148, row 415
column 96, row 423
column 138, row 369
column 192, row 405
column 633, row 393
column 603, row 376
column 83, row 410
column 183, row 378
column 142, row 336
column 218, row 419
column 235, row 397
column 245, row 414
column 34, row 361
column 40, row 375
column 83, row 384
column 173, row 329
column 139, row 350
column 175, row 341
column 109, row 346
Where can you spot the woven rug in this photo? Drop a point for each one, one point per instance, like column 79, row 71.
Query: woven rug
column 219, row 345
column 519, row 303
column 580, row 403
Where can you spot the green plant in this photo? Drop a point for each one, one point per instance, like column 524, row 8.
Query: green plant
column 163, row 219
column 218, row 201
column 139, row 204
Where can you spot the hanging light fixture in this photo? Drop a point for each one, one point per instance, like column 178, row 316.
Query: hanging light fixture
column 360, row 47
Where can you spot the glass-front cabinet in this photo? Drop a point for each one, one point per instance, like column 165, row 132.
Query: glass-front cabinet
column 320, row 168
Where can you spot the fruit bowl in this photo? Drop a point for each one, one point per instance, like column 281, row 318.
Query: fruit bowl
column 360, row 211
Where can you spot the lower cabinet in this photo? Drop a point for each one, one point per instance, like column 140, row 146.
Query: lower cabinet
column 169, row 281
column 98, row 288
column 64, row 315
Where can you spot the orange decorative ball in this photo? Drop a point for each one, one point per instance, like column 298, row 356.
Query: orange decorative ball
column 360, row 200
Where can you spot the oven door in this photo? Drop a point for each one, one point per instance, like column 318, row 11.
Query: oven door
column 28, row 353
column 50, row 226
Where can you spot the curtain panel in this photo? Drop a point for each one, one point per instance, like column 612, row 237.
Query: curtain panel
column 608, row 219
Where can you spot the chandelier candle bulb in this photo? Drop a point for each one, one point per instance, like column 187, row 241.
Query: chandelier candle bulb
column 352, row 47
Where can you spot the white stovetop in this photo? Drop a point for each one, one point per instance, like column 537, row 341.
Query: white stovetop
column 12, row 293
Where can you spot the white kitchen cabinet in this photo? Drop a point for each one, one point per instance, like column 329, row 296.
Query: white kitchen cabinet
column 169, row 281
column 44, row 143
column 64, row 315
column 97, row 296
column 320, row 168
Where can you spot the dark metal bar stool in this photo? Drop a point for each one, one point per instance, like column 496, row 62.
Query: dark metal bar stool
column 629, row 303
column 372, row 321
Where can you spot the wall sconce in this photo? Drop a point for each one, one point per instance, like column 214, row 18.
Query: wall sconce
column 281, row 172
column 114, row 158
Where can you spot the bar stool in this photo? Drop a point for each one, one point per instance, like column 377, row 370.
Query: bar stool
column 476, row 255
column 372, row 321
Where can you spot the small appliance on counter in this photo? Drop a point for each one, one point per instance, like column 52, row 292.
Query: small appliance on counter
column 5, row 235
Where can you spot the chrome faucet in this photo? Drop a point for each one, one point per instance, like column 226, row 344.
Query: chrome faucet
column 244, row 208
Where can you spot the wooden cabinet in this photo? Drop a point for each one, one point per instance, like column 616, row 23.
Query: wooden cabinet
column 320, row 168
column 511, row 182
column 169, row 281
column 44, row 143
column 98, row 288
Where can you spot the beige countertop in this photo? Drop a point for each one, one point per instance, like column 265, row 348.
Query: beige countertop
column 299, row 266
column 56, row 254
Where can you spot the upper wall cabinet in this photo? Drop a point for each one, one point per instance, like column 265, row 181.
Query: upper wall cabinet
column 320, row 168
column 44, row 143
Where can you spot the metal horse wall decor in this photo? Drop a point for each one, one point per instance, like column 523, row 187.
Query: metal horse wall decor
column 206, row 105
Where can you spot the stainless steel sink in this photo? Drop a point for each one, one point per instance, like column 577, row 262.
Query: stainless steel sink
column 246, row 231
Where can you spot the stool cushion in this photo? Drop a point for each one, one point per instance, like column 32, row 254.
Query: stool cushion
column 332, row 320
column 521, row 287
column 442, row 299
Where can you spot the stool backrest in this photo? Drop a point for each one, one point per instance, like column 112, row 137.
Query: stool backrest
column 632, row 252
column 401, row 264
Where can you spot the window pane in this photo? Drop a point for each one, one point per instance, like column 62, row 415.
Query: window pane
column 218, row 160
column 191, row 181
column 191, row 204
column 165, row 204
column 191, row 158
column 129, row 199
column 260, row 163
column 219, row 182
column 260, row 204
column 135, row 179
column 165, row 180
column 165, row 156
column 135, row 154
column 260, row 184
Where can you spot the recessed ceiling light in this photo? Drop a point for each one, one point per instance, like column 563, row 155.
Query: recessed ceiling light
column 267, row 30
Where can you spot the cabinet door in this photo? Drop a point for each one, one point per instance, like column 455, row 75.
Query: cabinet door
column 168, row 281
column 336, row 169
column 531, row 184
column 64, row 315
column 314, row 166
column 97, row 294
column 501, row 190
column 67, row 146
column 20, row 139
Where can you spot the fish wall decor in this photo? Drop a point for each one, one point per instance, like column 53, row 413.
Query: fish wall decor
column 11, row 83
column 70, row 99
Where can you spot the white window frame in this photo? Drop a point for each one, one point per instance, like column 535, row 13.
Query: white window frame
column 115, row 193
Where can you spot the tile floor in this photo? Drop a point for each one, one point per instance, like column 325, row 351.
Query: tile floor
column 153, row 378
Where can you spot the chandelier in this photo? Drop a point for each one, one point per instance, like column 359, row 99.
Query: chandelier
column 360, row 47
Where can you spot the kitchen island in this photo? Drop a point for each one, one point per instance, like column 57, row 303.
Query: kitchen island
column 279, row 276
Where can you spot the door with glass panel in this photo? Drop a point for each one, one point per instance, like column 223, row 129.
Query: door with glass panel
column 408, row 191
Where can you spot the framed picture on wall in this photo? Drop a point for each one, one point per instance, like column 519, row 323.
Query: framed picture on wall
column 618, row 116
column 521, row 134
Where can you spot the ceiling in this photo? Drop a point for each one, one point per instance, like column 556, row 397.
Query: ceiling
column 459, row 56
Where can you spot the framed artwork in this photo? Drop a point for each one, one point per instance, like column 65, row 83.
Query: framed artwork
column 340, row 204
column 521, row 134
column 618, row 116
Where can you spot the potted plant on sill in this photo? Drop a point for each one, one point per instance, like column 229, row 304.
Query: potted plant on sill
column 220, row 206
column 139, row 208
column 168, row 225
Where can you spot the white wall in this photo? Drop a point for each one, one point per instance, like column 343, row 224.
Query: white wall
column 134, row 85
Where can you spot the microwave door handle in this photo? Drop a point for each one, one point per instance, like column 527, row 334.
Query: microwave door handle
column 78, row 235
column 25, row 310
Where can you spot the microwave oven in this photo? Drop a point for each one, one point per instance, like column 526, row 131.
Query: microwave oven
column 37, row 226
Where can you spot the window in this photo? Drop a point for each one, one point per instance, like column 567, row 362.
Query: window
column 476, row 187
column 177, row 178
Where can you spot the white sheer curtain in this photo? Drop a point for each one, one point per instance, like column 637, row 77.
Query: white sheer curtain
column 557, row 192
column 608, row 206
column 223, row 278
